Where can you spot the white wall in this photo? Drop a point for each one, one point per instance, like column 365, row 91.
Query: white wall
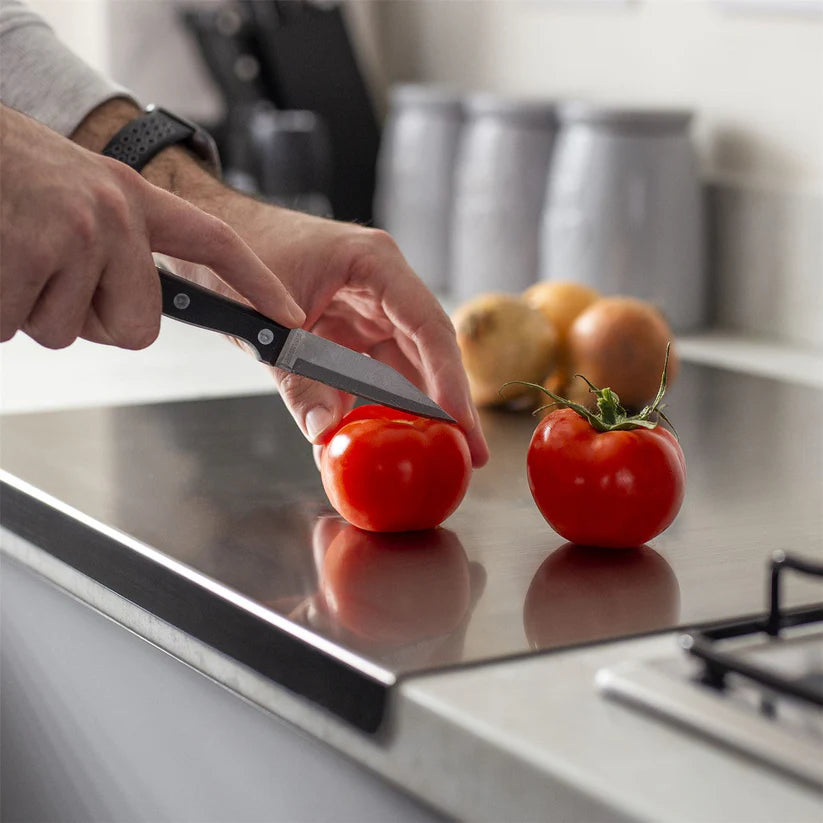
column 82, row 25
column 754, row 76
column 140, row 44
column 753, row 73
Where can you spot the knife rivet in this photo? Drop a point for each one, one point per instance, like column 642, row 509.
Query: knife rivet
column 181, row 301
column 265, row 336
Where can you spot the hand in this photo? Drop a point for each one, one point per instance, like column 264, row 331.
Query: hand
column 357, row 290
column 77, row 232
column 352, row 282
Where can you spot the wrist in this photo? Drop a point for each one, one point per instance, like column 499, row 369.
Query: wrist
column 179, row 171
column 174, row 168
column 100, row 124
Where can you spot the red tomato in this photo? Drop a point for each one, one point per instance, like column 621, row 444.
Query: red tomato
column 388, row 471
column 615, row 489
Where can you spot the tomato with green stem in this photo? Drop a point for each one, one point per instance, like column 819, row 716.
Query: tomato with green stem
column 606, row 478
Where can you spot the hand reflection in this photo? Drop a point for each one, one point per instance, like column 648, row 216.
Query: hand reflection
column 582, row 594
column 381, row 593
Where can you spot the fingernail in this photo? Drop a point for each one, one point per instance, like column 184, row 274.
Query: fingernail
column 297, row 315
column 469, row 415
column 317, row 421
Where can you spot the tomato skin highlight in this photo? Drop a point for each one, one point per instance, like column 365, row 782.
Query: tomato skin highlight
column 614, row 489
column 387, row 471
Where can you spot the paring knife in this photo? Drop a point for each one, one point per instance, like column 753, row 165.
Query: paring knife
column 295, row 350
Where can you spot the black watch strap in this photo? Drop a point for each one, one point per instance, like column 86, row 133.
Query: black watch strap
column 142, row 138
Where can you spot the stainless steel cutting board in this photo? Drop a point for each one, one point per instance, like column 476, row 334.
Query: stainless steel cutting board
column 228, row 491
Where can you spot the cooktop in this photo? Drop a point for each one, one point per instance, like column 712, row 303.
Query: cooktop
column 211, row 515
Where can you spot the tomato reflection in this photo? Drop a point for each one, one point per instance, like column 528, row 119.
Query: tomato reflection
column 583, row 594
column 382, row 592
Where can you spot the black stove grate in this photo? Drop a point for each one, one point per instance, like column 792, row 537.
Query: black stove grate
column 719, row 663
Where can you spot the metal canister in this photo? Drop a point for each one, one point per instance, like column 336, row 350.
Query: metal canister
column 624, row 208
column 504, row 153
column 415, row 173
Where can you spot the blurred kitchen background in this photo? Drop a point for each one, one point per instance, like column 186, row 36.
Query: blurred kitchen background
column 670, row 149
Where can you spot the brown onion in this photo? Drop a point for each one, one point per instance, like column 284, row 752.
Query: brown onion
column 620, row 342
column 503, row 339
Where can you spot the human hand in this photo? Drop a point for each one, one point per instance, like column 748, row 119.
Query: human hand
column 357, row 290
column 77, row 232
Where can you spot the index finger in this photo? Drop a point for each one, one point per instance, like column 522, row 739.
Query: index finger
column 180, row 229
column 418, row 315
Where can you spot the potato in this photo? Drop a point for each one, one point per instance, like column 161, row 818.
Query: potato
column 620, row 342
column 501, row 338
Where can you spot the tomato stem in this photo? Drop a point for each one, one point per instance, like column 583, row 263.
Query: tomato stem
column 610, row 414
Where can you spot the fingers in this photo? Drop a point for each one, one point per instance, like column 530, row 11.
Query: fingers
column 94, row 331
column 478, row 448
column 18, row 297
column 58, row 317
column 58, row 314
column 128, row 303
column 425, row 330
column 315, row 407
column 121, row 308
column 177, row 228
column 402, row 354
column 390, row 353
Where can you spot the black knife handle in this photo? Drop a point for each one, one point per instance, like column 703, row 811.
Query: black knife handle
column 190, row 303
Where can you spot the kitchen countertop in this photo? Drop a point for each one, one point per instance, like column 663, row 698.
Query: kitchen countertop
column 526, row 723
column 527, row 739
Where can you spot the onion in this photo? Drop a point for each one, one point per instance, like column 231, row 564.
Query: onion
column 620, row 342
column 501, row 338
column 561, row 301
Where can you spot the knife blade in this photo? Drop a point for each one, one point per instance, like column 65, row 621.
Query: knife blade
column 295, row 350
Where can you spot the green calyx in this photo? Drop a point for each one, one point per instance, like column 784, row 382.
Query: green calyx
column 610, row 415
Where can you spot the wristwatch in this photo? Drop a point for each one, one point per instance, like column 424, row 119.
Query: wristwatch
column 139, row 140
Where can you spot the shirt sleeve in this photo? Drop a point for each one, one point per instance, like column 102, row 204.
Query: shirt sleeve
column 42, row 77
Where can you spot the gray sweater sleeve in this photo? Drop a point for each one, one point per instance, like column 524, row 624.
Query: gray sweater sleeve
column 41, row 77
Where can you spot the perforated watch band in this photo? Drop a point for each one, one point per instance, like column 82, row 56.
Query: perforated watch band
column 142, row 138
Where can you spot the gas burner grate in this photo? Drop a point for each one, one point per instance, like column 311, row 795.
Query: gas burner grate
column 719, row 663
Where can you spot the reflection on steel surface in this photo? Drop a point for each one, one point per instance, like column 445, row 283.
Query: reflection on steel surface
column 403, row 598
column 581, row 594
column 229, row 488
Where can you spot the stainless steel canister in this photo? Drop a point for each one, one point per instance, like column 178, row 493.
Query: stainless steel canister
column 504, row 154
column 415, row 173
column 624, row 209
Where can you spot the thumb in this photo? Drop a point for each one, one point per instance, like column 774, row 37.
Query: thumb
column 316, row 408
